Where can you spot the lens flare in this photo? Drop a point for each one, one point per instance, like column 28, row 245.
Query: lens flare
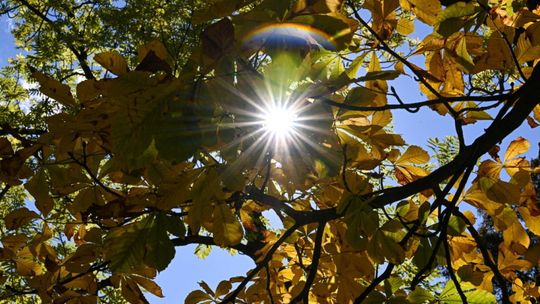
column 292, row 34
column 279, row 121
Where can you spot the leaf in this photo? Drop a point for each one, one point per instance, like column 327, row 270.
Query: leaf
column 38, row 186
column 218, row 39
column 223, row 288
column 379, row 75
column 197, row 296
column 360, row 96
column 112, row 61
column 499, row 191
column 450, row 20
column 131, row 291
column 532, row 221
column 143, row 242
column 19, row 218
column 148, row 285
column 26, row 264
column 516, row 238
column 516, row 147
column 419, row 296
column 464, row 57
column 475, row 296
column 340, row 29
column 54, row 88
column 413, row 155
column 218, row 9
column 427, row 11
column 226, row 227
column 405, row 26
column 152, row 123
column 154, row 46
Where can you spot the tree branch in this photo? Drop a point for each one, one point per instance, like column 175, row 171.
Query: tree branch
column 250, row 251
column 232, row 296
column 80, row 55
column 304, row 294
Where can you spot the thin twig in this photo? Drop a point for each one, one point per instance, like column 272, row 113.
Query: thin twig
column 93, row 176
column 232, row 296
column 451, row 272
column 486, row 256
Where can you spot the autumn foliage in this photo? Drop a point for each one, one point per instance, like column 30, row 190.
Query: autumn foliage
column 146, row 135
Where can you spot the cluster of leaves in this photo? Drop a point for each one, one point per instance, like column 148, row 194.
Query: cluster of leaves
column 151, row 147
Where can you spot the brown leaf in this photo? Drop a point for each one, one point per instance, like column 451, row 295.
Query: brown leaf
column 218, row 39
column 54, row 88
column 19, row 217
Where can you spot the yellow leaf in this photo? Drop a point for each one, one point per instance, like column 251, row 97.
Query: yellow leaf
column 490, row 168
column 26, row 264
column 54, row 88
column 405, row 26
column 38, row 187
column 413, row 155
column 532, row 221
column 406, row 174
column 157, row 47
column 426, row 10
column 516, row 147
column 516, row 238
column 508, row 262
column 112, row 61
column 226, row 228
column 478, row 198
column 499, row 191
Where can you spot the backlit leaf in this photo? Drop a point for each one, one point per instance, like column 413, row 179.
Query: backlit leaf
column 113, row 62
column 54, row 88
column 226, row 227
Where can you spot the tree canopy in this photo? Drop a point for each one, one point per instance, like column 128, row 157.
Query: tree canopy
column 129, row 128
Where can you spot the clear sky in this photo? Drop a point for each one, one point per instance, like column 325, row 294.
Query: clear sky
column 186, row 269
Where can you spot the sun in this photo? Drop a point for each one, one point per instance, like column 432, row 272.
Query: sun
column 279, row 121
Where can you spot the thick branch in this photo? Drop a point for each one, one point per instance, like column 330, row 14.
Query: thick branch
column 414, row 105
column 207, row 240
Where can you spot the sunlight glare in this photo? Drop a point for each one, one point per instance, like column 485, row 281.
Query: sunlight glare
column 279, row 121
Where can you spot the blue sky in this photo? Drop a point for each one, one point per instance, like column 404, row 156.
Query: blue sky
column 186, row 269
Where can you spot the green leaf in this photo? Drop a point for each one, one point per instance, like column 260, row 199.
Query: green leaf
column 420, row 296
column 450, row 20
column 143, row 242
column 379, row 75
column 450, row 294
column 456, row 226
column 463, row 55
column 360, row 96
column 154, row 122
